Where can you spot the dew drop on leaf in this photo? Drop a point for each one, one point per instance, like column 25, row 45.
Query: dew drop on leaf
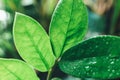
column 96, row 46
column 113, row 70
column 87, row 67
column 96, row 58
column 111, row 75
column 109, row 70
column 74, row 67
column 93, row 73
column 117, row 73
column 107, row 42
column 112, row 62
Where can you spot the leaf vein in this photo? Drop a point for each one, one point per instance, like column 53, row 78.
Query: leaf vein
column 12, row 72
column 37, row 50
column 67, row 28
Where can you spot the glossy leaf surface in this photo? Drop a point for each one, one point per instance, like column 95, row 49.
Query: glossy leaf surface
column 97, row 58
column 11, row 69
column 33, row 43
column 68, row 25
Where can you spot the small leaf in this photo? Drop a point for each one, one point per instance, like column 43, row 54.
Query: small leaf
column 12, row 69
column 33, row 43
column 68, row 25
column 97, row 58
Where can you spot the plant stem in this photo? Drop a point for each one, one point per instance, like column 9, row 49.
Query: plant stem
column 49, row 74
column 52, row 69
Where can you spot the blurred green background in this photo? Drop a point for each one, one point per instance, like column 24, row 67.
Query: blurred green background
column 103, row 17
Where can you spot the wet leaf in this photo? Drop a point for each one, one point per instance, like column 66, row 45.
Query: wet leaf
column 97, row 57
column 33, row 43
column 12, row 69
column 68, row 25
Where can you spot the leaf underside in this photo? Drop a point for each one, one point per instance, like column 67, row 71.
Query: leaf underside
column 97, row 58
column 33, row 43
column 12, row 69
column 68, row 25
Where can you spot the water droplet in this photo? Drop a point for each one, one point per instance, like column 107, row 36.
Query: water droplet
column 87, row 73
column 111, row 75
column 108, row 69
column 112, row 62
column 96, row 46
column 74, row 67
column 117, row 60
column 94, row 62
column 117, row 73
column 93, row 73
column 87, row 67
column 113, row 70
column 107, row 42
column 107, row 58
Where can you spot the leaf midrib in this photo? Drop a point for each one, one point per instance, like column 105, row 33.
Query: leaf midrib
column 67, row 28
column 11, row 72
column 37, row 50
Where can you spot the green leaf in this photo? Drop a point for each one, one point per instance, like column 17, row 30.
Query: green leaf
column 12, row 69
column 68, row 25
column 97, row 57
column 13, row 5
column 115, row 16
column 33, row 43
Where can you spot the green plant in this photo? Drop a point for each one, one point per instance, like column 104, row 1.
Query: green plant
column 115, row 16
column 97, row 57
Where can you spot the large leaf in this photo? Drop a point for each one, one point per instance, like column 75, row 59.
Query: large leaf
column 97, row 57
column 68, row 25
column 33, row 43
column 11, row 69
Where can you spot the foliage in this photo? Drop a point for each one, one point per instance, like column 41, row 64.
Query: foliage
column 13, row 5
column 64, row 46
column 7, row 67
column 67, row 27
column 36, row 43
column 115, row 16
column 96, row 57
